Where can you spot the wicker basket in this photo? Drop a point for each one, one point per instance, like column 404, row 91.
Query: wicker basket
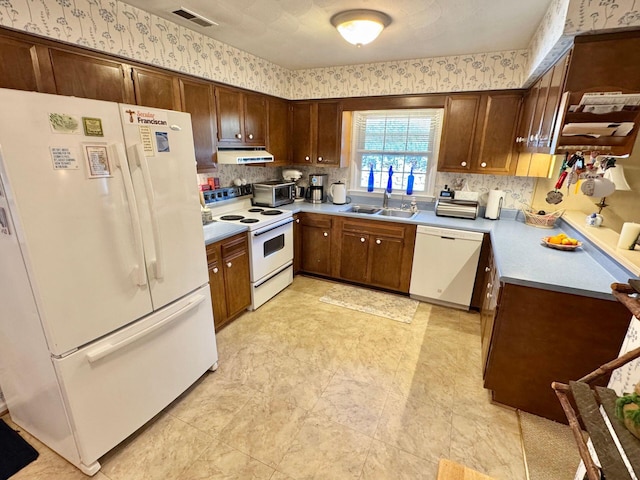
column 548, row 220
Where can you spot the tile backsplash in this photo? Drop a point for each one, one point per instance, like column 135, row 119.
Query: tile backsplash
column 519, row 190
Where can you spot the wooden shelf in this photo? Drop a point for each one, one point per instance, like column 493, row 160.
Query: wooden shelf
column 596, row 408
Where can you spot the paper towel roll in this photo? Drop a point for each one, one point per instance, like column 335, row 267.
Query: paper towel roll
column 494, row 204
column 628, row 235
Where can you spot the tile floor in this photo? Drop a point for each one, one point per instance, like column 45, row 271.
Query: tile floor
column 308, row 390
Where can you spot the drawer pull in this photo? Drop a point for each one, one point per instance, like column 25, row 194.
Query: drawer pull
column 229, row 264
column 250, row 136
column 325, row 234
column 362, row 239
column 378, row 242
column 215, row 270
column 238, row 135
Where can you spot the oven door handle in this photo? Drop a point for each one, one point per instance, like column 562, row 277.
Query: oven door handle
column 262, row 232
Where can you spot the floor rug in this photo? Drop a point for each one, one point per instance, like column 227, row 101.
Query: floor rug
column 387, row 305
column 550, row 448
column 15, row 452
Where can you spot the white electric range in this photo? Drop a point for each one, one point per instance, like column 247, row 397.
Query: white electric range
column 270, row 245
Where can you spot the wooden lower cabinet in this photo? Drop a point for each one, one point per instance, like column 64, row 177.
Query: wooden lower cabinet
column 372, row 253
column 316, row 240
column 376, row 253
column 229, row 279
column 297, row 244
column 539, row 336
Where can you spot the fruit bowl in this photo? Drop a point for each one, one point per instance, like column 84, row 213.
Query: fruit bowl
column 556, row 246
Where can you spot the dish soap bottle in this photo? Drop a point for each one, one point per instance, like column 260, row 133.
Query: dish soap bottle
column 370, row 184
column 413, row 207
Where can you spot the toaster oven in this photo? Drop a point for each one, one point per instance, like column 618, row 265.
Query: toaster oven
column 273, row 193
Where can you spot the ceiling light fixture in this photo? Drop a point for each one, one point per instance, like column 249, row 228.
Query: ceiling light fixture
column 360, row 27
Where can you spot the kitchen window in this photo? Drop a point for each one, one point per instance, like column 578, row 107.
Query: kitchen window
column 397, row 138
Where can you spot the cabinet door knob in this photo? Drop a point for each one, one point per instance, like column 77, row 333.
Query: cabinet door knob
column 489, row 285
column 362, row 239
column 487, row 269
column 251, row 136
column 378, row 241
column 238, row 135
column 229, row 264
column 483, row 164
column 531, row 138
column 489, row 295
column 215, row 270
column 319, row 159
column 464, row 164
column 325, row 234
column 307, row 158
column 297, row 220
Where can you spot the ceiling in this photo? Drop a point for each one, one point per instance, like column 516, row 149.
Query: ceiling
column 296, row 34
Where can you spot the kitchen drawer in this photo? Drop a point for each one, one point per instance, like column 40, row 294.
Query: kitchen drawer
column 316, row 220
column 233, row 246
column 385, row 229
column 212, row 253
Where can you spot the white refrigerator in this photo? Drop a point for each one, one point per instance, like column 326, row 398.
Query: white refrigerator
column 105, row 308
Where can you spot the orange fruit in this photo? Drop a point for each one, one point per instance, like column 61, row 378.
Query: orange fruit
column 555, row 240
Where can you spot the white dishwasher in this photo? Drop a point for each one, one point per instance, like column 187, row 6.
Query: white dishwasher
column 445, row 262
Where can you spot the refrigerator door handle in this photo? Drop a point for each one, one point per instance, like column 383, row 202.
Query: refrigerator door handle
column 108, row 349
column 118, row 153
column 148, row 186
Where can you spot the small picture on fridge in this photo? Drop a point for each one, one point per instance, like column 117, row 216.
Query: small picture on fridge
column 4, row 222
column 98, row 161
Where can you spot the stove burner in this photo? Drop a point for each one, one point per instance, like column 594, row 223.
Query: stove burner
column 256, row 210
column 271, row 212
column 231, row 217
column 249, row 220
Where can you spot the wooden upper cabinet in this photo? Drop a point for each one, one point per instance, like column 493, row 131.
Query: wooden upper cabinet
column 497, row 138
column 317, row 133
column 458, row 133
column 25, row 66
column 90, row 77
column 557, row 78
column 301, row 133
column 241, row 117
column 255, row 119
column 278, row 130
column 329, row 128
column 156, row 89
column 197, row 99
column 229, row 115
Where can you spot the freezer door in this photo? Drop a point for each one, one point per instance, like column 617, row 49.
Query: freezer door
column 72, row 215
column 114, row 386
column 163, row 169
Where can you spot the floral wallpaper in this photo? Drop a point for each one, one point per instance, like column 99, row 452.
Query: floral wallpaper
column 114, row 27
column 485, row 71
column 548, row 43
column 120, row 29
column 591, row 15
column 519, row 190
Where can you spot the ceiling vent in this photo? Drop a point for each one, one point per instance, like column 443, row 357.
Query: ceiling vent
column 194, row 17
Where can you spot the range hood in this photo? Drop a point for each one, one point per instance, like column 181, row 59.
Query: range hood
column 244, row 156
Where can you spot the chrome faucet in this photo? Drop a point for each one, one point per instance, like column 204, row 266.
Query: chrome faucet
column 385, row 199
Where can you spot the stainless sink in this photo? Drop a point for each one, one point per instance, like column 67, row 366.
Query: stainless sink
column 366, row 209
column 385, row 212
column 392, row 212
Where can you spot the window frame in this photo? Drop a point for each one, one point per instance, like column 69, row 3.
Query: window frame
column 355, row 167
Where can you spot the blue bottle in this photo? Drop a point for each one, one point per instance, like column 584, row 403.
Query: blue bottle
column 370, row 184
column 410, row 182
column 389, row 182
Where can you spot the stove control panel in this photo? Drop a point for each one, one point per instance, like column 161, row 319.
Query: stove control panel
column 226, row 193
